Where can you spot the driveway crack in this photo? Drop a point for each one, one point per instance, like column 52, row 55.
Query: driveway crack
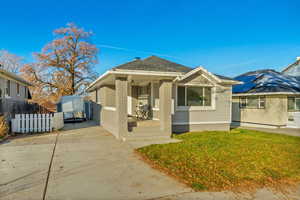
column 50, row 166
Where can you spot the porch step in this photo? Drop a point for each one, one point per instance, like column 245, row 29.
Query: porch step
column 144, row 129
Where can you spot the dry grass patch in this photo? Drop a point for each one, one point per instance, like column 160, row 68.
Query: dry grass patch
column 3, row 127
column 236, row 160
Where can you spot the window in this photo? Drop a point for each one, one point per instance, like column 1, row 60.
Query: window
column 18, row 89
column 258, row 102
column 8, row 87
column 25, row 92
column 243, row 102
column 194, row 96
column 294, row 104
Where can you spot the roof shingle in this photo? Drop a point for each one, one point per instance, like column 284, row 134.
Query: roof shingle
column 154, row 63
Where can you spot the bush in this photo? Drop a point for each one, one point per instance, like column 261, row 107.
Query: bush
column 3, row 127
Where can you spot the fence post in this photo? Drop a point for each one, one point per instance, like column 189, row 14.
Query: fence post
column 39, row 123
column 35, row 126
column 47, row 122
column 27, row 123
column 31, row 122
column 23, row 123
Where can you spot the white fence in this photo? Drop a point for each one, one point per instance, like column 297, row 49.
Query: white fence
column 37, row 123
column 58, row 120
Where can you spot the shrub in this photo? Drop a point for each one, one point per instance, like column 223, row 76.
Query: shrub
column 3, row 127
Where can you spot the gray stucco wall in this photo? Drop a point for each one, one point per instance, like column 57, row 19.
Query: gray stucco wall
column 210, row 119
column 109, row 120
column 200, row 127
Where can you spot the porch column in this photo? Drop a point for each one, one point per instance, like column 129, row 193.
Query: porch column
column 165, row 103
column 121, row 107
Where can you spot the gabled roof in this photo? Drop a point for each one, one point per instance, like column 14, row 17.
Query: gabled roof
column 215, row 77
column 293, row 69
column 156, row 66
column 14, row 77
column 154, row 63
column 266, row 81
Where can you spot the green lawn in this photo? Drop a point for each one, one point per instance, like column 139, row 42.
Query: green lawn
column 239, row 159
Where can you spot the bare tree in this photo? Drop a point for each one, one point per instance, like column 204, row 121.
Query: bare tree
column 66, row 65
column 10, row 62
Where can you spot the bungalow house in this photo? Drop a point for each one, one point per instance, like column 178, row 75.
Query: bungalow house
column 177, row 98
column 13, row 90
column 266, row 98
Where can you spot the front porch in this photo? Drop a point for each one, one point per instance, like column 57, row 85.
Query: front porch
column 123, row 97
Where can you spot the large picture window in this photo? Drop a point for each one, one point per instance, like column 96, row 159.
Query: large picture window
column 294, row 104
column 194, row 96
column 258, row 102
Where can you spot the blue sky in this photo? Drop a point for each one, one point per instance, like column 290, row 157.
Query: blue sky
column 226, row 37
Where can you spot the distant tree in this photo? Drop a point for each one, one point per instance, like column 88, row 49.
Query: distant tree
column 10, row 62
column 65, row 66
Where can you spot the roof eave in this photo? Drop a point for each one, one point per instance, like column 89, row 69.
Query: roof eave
column 232, row 82
column 15, row 77
column 265, row 93
column 131, row 72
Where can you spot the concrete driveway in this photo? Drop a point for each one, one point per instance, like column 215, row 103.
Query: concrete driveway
column 88, row 163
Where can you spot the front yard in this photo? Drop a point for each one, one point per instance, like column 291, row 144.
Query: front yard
column 236, row 160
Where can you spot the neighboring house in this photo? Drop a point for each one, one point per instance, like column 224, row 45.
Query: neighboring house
column 14, row 94
column 266, row 98
column 13, row 86
column 179, row 98
column 293, row 69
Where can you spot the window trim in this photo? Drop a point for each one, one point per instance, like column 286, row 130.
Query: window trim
column 188, row 108
column 294, row 110
column 258, row 102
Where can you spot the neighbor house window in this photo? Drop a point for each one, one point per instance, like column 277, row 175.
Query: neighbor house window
column 294, row 104
column 253, row 102
column 18, row 89
column 194, row 96
column 25, row 92
column 8, row 88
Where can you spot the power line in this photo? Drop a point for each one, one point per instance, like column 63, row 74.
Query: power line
column 134, row 50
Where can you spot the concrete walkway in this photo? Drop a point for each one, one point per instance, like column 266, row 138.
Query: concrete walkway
column 88, row 163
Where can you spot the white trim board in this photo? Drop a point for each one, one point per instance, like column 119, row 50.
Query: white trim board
column 265, row 94
column 109, row 108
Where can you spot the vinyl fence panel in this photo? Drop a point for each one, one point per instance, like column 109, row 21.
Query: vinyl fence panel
column 37, row 123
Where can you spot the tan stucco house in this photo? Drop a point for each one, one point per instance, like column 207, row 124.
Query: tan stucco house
column 179, row 98
column 266, row 99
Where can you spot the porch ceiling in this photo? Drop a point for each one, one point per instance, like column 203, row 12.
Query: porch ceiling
column 134, row 79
